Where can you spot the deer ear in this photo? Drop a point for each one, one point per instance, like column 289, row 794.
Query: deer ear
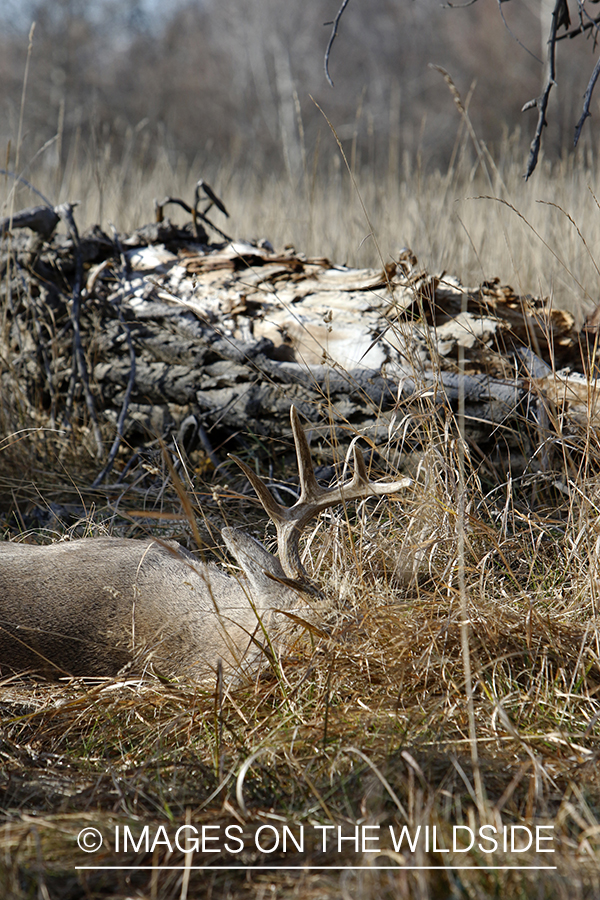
column 254, row 559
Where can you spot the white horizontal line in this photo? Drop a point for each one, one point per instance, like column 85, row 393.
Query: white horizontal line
column 305, row 868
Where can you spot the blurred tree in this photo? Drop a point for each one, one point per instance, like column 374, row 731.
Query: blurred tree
column 214, row 79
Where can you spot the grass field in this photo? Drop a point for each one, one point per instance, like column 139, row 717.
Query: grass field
column 451, row 679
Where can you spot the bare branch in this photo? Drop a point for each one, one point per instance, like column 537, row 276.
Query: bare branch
column 591, row 22
column 560, row 16
column 334, row 32
column 122, row 296
column 193, row 210
column 211, row 196
column 65, row 211
column 587, row 99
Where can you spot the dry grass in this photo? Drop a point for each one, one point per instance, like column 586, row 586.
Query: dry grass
column 367, row 721
column 453, row 678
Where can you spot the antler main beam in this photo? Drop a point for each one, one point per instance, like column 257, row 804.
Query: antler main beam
column 290, row 521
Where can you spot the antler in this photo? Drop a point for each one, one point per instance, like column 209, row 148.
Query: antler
column 291, row 521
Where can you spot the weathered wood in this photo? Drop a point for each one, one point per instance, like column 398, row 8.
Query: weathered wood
column 42, row 219
column 233, row 334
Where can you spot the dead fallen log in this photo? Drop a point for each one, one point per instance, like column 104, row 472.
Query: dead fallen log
column 175, row 330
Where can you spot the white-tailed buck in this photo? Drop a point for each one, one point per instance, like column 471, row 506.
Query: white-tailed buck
column 89, row 607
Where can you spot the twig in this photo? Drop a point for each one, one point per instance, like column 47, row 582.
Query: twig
column 587, row 99
column 592, row 22
column 65, row 211
column 42, row 347
column 513, row 35
column 332, row 38
column 193, row 211
column 124, row 409
column 204, row 218
column 560, row 19
column 201, row 184
column 132, row 371
column 575, row 32
column 541, row 102
column 27, row 184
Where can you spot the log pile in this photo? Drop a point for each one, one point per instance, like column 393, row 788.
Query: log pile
column 160, row 332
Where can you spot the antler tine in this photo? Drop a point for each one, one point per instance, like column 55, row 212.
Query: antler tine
column 310, row 491
column 360, row 470
column 274, row 510
column 360, row 486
